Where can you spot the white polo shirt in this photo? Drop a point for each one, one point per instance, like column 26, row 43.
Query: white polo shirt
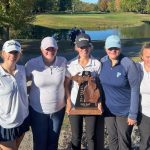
column 73, row 67
column 145, row 92
column 47, row 89
column 13, row 98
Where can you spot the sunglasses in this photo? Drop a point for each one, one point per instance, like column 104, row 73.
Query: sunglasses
column 114, row 48
column 50, row 49
column 84, row 47
column 14, row 52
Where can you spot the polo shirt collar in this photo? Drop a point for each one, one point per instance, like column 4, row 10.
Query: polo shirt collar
column 4, row 73
column 142, row 64
column 118, row 60
column 91, row 61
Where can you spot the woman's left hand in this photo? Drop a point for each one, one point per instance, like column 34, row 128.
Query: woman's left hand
column 131, row 122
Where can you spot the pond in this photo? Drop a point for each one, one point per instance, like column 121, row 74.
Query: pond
column 142, row 31
column 38, row 32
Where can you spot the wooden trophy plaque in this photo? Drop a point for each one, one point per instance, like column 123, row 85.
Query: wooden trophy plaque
column 88, row 95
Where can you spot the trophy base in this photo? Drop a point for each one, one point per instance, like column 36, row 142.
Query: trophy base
column 85, row 111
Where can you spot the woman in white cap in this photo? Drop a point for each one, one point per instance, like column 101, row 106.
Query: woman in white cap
column 14, row 120
column 144, row 70
column 47, row 95
column 83, row 63
column 120, row 83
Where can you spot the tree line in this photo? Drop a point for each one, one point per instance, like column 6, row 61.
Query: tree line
column 62, row 5
column 18, row 14
column 138, row 6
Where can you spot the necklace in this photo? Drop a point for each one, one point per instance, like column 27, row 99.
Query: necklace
column 9, row 69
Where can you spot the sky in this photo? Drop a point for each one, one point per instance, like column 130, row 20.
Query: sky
column 90, row 1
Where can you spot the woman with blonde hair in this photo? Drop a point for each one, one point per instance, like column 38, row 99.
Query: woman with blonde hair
column 14, row 120
column 144, row 71
column 80, row 65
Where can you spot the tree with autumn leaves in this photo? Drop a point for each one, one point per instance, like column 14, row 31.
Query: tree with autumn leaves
column 139, row 6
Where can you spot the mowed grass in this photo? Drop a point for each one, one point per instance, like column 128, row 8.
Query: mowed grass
column 90, row 21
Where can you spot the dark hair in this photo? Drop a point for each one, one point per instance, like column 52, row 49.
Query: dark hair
column 146, row 45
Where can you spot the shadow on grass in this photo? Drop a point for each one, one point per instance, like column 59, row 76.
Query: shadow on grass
column 38, row 32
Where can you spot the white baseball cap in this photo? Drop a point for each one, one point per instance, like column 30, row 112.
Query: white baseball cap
column 48, row 42
column 11, row 45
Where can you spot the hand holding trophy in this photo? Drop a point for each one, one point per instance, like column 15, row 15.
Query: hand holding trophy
column 88, row 95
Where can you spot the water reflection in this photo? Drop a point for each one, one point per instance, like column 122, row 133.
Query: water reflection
column 142, row 31
column 38, row 32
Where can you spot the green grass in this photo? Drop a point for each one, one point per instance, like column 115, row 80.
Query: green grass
column 90, row 21
column 136, row 59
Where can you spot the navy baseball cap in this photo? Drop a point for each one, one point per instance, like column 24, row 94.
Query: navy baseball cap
column 83, row 40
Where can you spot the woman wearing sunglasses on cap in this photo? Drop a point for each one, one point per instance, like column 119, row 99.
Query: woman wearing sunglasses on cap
column 84, row 62
column 46, row 96
column 14, row 120
column 120, row 83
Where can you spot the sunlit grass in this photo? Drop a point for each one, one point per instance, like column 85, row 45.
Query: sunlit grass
column 136, row 59
column 90, row 21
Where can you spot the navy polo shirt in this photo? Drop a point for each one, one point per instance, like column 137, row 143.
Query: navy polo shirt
column 120, row 84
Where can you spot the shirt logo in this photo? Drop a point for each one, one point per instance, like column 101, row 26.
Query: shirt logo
column 118, row 74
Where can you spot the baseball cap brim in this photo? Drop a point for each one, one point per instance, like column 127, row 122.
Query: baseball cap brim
column 83, row 44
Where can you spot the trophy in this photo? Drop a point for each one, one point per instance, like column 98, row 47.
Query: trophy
column 88, row 95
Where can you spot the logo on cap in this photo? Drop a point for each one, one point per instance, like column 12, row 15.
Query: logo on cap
column 13, row 43
column 83, row 39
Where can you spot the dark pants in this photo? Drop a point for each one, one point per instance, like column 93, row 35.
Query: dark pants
column 144, row 129
column 119, row 133
column 100, row 133
column 46, row 129
column 76, row 122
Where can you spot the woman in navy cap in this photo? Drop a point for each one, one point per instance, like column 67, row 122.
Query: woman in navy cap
column 14, row 120
column 120, row 83
column 84, row 62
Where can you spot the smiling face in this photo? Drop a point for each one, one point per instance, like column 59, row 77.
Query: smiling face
column 84, row 51
column 11, row 57
column 49, row 54
column 113, row 53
